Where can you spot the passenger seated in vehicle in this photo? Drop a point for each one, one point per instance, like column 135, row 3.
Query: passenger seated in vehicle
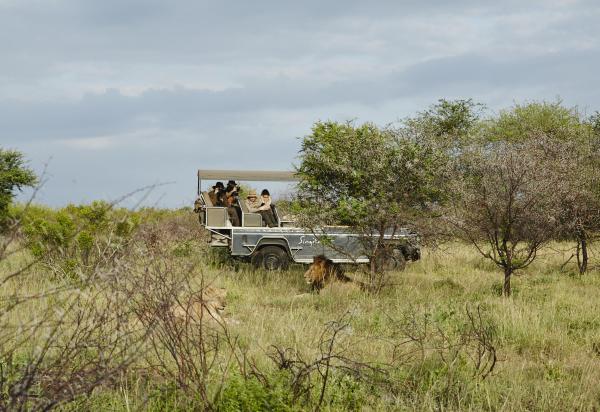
column 232, row 192
column 266, row 201
column 218, row 187
column 233, row 210
column 255, row 205
column 220, row 199
column 232, row 186
column 224, row 201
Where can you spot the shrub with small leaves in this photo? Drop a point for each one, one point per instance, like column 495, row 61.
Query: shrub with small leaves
column 75, row 240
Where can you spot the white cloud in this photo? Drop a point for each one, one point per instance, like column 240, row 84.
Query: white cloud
column 89, row 143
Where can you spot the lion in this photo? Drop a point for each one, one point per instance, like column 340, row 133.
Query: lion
column 323, row 271
column 208, row 304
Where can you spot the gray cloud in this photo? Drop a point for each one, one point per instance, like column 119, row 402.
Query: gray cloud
column 126, row 93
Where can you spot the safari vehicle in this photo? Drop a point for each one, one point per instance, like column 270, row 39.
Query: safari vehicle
column 273, row 248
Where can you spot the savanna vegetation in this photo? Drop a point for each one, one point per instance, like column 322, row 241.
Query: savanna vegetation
column 500, row 313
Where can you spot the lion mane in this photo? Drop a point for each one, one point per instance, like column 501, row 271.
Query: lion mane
column 323, row 271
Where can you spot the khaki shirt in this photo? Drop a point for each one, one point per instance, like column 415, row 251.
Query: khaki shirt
column 253, row 205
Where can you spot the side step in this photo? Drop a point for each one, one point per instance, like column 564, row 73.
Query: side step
column 217, row 240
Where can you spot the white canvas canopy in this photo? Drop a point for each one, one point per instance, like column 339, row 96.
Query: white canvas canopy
column 246, row 175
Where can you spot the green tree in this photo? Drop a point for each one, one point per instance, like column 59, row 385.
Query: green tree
column 572, row 152
column 367, row 178
column 447, row 124
column 14, row 175
column 528, row 176
column 528, row 121
column 445, row 128
column 581, row 206
column 507, row 202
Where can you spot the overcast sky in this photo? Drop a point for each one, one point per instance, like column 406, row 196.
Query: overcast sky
column 118, row 94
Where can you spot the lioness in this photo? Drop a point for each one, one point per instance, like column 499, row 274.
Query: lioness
column 323, row 271
column 206, row 306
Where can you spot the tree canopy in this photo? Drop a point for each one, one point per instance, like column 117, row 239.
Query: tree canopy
column 14, row 176
column 368, row 178
column 364, row 176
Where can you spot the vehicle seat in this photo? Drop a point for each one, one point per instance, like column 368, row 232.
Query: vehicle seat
column 249, row 219
column 216, row 216
column 206, row 199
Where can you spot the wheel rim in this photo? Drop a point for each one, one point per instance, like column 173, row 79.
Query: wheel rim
column 390, row 264
column 271, row 262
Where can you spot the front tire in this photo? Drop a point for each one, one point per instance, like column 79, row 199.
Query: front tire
column 271, row 258
column 256, row 259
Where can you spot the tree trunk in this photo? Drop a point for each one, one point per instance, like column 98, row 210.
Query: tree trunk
column 582, row 244
column 372, row 273
column 506, row 287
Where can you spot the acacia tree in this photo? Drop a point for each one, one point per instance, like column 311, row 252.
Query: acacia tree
column 366, row 178
column 572, row 152
column 577, row 163
column 506, row 203
column 582, row 206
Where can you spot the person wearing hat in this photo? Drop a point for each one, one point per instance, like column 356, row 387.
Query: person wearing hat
column 212, row 195
column 233, row 209
column 231, row 188
column 255, row 205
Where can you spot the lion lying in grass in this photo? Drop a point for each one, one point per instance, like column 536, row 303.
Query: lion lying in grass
column 206, row 306
column 324, row 271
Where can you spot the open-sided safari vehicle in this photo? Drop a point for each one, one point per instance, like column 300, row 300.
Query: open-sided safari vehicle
column 273, row 248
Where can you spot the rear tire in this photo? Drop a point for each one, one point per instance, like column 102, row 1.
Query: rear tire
column 271, row 258
column 390, row 262
column 397, row 261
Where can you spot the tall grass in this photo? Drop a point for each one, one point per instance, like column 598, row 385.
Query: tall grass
column 546, row 336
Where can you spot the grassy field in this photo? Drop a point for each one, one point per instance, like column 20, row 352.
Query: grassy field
column 414, row 346
column 547, row 334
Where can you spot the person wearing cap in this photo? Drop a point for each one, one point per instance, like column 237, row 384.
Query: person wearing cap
column 255, row 205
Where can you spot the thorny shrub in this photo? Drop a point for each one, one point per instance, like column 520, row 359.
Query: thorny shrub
column 70, row 338
column 442, row 353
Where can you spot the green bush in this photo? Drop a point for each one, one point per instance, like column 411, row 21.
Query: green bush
column 75, row 240
column 251, row 395
column 346, row 393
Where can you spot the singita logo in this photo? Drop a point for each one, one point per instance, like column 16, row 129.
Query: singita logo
column 310, row 242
